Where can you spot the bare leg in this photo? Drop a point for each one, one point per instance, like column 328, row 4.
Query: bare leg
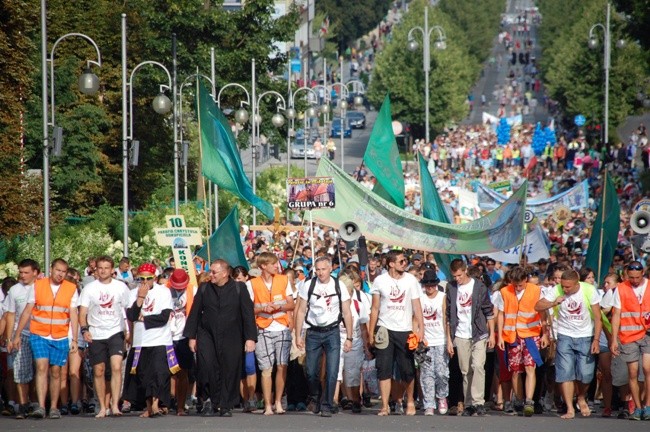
column 42, row 368
column 116, row 383
column 384, row 390
column 99, row 370
column 64, row 394
column 410, row 403
column 55, row 385
column 280, row 378
column 567, row 394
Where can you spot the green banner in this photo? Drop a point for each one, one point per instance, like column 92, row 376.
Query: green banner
column 383, row 222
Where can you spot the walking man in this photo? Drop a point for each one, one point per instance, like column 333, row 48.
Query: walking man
column 322, row 305
column 51, row 311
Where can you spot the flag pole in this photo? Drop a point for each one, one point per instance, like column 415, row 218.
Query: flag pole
column 205, row 214
column 311, row 236
column 602, row 225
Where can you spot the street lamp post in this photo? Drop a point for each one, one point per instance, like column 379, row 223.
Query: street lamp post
column 607, row 46
column 343, row 106
column 88, row 84
column 161, row 105
column 426, row 57
column 291, row 113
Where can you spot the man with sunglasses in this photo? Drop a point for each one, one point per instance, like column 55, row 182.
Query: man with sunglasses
column 103, row 304
column 395, row 304
column 630, row 325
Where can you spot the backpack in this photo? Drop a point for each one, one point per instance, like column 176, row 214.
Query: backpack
column 337, row 288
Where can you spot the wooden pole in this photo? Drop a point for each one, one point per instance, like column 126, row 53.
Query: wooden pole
column 602, row 230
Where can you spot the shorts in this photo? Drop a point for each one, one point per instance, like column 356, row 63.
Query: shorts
column 101, row 350
column 248, row 365
column 3, row 365
column 350, row 366
column 505, row 375
column 56, row 351
column 23, row 362
column 184, row 355
column 631, row 352
column 620, row 373
column 573, row 359
column 273, row 347
column 519, row 357
column 395, row 353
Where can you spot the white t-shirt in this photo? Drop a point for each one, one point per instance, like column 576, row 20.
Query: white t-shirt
column 288, row 292
column 178, row 316
column 106, row 304
column 158, row 299
column 396, row 300
column 464, row 310
column 31, row 298
column 323, row 305
column 16, row 301
column 434, row 330
column 574, row 318
column 358, row 318
column 639, row 292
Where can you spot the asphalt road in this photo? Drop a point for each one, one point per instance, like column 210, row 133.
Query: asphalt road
column 366, row 421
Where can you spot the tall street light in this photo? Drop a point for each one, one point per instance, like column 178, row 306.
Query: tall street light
column 426, row 57
column 161, row 104
column 182, row 143
column 88, row 84
column 343, row 104
column 607, row 45
column 291, row 114
column 277, row 120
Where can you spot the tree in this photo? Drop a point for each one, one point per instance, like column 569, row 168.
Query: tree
column 399, row 72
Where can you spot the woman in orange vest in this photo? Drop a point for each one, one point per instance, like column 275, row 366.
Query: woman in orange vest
column 520, row 327
column 273, row 302
column 630, row 323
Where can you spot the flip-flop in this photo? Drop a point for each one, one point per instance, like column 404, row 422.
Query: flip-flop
column 116, row 414
column 156, row 414
column 383, row 413
column 181, row 413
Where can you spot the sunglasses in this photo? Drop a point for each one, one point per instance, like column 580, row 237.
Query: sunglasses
column 144, row 278
column 635, row 267
column 402, row 261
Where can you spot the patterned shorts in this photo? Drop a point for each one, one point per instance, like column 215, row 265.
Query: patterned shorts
column 56, row 351
column 519, row 357
column 272, row 348
column 23, row 362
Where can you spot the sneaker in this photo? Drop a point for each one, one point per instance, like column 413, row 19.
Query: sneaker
column 55, row 414
column 607, row 412
column 367, row 402
column 75, row 409
column 428, row 412
column 480, row 410
column 64, row 410
column 442, row 406
column 356, row 408
column 623, row 414
column 508, row 408
column 646, row 413
column 301, row 407
column 469, row 411
column 21, row 413
column 9, row 411
column 529, row 408
column 636, row 415
column 314, row 407
column 249, row 406
column 38, row 413
column 326, row 413
column 399, row 409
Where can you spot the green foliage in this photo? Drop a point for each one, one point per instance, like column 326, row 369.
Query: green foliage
column 574, row 73
column 400, row 72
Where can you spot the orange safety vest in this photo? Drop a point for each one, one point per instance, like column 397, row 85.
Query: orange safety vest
column 51, row 314
column 521, row 319
column 263, row 297
column 633, row 322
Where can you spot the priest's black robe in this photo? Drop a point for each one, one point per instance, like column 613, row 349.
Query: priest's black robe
column 221, row 320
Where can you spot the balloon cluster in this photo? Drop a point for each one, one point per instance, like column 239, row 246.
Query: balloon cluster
column 550, row 136
column 503, row 132
column 539, row 140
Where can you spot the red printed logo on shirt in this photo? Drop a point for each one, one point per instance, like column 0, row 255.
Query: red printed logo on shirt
column 148, row 305
column 105, row 300
column 429, row 313
column 465, row 300
column 395, row 295
column 574, row 307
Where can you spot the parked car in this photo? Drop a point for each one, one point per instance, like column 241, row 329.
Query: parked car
column 335, row 131
column 298, row 150
column 356, row 119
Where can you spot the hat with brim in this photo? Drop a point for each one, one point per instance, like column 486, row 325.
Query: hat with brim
column 179, row 279
column 381, row 338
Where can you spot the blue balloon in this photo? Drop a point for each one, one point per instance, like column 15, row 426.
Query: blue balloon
column 503, row 132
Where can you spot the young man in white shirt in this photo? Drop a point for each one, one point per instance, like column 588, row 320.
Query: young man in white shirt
column 395, row 304
column 322, row 306
column 273, row 304
column 575, row 306
column 101, row 315
column 470, row 317
column 20, row 362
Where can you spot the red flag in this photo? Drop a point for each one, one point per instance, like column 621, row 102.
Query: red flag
column 531, row 164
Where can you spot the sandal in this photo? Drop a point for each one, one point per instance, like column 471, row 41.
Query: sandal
column 383, row 413
column 498, row 406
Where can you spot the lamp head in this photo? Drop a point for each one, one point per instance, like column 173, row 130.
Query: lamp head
column 358, row 100
column 291, row 113
column 412, row 45
column 161, row 104
column 440, row 44
column 325, row 108
column 593, row 43
column 277, row 120
column 241, row 116
column 312, row 112
column 88, row 82
column 343, row 104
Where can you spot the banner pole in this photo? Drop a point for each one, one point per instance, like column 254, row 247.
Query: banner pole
column 205, row 210
column 602, row 230
column 311, row 236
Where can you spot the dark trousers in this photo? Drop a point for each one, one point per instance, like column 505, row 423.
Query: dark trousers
column 316, row 343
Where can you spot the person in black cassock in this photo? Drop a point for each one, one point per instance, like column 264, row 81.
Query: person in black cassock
column 220, row 327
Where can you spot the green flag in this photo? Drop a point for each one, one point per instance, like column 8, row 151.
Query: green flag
column 225, row 243
column 382, row 158
column 604, row 235
column 432, row 208
column 220, row 160
column 383, row 222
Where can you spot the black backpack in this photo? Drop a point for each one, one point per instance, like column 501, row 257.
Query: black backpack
column 337, row 288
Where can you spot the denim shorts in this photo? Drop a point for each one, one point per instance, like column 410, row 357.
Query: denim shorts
column 573, row 359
